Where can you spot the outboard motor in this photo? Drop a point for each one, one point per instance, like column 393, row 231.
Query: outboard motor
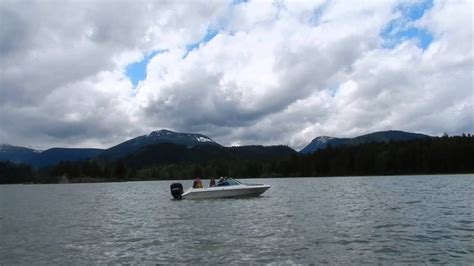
column 176, row 190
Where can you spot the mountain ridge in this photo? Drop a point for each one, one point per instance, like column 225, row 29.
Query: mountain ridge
column 42, row 158
column 155, row 137
column 37, row 158
column 323, row 142
column 52, row 156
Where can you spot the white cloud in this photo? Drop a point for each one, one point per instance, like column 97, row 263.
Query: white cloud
column 277, row 71
column 61, row 65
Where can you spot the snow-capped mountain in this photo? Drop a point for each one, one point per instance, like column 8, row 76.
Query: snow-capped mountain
column 381, row 136
column 161, row 136
column 47, row 157
column 318, row 144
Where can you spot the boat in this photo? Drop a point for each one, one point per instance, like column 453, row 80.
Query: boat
column 228, row 188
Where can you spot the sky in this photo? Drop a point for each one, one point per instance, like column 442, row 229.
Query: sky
column 96, row 73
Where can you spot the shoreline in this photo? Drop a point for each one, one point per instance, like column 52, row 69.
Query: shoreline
column 103, row 180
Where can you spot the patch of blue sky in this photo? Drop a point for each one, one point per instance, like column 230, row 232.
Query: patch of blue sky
column 423, row 36
column 317, row 13
column 210, row 34
column 416, row 11
column 136, row 72
column 333, row 90
column 237, row 2
column 401, row 29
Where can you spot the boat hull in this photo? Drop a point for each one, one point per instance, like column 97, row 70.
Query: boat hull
column 225, row 192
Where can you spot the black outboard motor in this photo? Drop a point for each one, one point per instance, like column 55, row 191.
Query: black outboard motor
column 176, row 190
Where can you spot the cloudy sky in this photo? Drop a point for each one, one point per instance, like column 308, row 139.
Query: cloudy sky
column 95, row 73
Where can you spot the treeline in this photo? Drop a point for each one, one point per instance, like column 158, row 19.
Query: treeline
column 11, row 173
column 441, row 155
column 95, row 171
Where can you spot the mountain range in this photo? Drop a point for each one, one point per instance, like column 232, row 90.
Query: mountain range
column 382, row 136
column 47, row 157
column 165, row 146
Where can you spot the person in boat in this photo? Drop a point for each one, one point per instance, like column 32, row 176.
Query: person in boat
column 197, row 183
column 212, row 183
column 222, row 182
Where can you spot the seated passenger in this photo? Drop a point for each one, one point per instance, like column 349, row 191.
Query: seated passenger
column 197, row 183
column 212, row 183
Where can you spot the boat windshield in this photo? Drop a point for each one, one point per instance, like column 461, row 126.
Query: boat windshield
column 228, row 182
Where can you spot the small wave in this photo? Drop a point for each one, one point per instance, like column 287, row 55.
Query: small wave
column 391, row 225
column 348, row 242
column 465, row 222
column 457, row 251
column 151, row 243
column 412, row 202
column 386, row 250
column 395, row 208
column 132, row 240
column 463, row 229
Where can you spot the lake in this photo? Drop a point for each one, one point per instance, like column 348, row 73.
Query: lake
column 338, row 220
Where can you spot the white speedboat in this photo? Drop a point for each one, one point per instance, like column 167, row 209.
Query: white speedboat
column 225, row 189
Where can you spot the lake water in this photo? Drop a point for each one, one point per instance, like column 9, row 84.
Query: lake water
column 342, row 220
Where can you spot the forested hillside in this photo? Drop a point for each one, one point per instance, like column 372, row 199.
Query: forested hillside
column 440, row 155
